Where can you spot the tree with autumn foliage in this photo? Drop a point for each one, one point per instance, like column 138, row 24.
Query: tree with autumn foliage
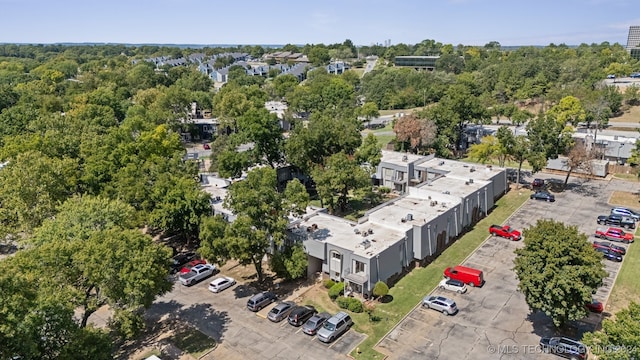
column 414, row 132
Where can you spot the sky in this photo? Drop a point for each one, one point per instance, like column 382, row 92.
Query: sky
column 279, row 22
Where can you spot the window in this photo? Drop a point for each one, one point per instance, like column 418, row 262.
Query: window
column 358, row 266
column 336, row 255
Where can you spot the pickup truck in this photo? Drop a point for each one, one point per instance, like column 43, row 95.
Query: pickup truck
column 614, row 234
column 196, row 274
column 505, row 232
column 617, row 220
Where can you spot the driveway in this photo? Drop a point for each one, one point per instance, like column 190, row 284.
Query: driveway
column 242, row 334
column 494, row 321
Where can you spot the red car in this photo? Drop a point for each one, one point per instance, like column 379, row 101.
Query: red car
column 595, row 306
column 505, row 232
column 191, row 264
column 607, row 245
column 614, row 234
column 206, row 147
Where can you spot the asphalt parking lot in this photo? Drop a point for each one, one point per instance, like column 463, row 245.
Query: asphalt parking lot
column 240, row 333
column 494, row 321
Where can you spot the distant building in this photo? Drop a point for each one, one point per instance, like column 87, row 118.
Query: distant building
column 633, row 42
column 417, row 62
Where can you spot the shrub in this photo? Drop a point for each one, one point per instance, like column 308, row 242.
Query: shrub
column 336, row 290
column 343, row 302
column 329, row 283
column 380, row 289
column 351, row 304
column 355, row 305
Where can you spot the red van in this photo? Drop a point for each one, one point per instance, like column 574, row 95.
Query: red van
column 469, row 276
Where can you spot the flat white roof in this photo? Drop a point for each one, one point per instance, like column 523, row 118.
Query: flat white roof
column 215, row 192
column 454, row 186
column 396, row 158
column 349, row 235
column 423, row 205
column 462, row 170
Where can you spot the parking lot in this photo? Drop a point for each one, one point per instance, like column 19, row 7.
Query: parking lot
column 240, row 333
column 494, row 321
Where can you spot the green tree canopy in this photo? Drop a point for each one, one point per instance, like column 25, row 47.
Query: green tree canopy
column 558, row 277
column 619, row 337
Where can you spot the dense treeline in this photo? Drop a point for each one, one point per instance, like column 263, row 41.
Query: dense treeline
column 91, row 152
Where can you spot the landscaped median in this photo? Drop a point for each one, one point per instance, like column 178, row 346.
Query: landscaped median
column 410, row 290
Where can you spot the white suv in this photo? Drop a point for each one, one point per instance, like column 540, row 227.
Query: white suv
column 625, row 212
column 453, row 285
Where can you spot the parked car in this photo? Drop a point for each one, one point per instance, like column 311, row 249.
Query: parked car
column 537, row 183
column 614, row 234
column 607, row 245
column 609, row 255
column 453, row 285
column 334, row 327
column 565, row 347
column 635, row 75
column 281, row 311
column 543, row 195
column 258, row 301
column 197, row 273
column 206, row 146
column 626, row 212
column 300, row 314
column 188, row 266
column 595, row 306
column 221, row 283
column 469, row 276
column 440, row 303
column 626, row 222
column 178, row 261
column 505, row 232
column 312, row 325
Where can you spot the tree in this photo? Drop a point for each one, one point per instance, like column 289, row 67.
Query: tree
column 296, row 198
column 31, row 187
column 415, row 131
column 506, row 140
column 380, row 289
column 369, row 152
column 578, row 158
column 489, row 146
column 284, row 84
column 558, row 277
column 369, row 110
column 261, row 221
column 618, row 338
column 569, row 110
column 337, row 178
column 262, row 129
column 319, row 55
column 290, row 262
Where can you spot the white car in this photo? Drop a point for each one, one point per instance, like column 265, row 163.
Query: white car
column 453, row 285
column 221, row 283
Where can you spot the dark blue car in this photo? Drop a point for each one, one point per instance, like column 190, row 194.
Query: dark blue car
column 609, row 255
column 543, row 195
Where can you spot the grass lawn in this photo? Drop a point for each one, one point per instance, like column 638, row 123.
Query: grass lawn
column 627, row 177
column 193, row 342
column 625, row 199
column 410, row 290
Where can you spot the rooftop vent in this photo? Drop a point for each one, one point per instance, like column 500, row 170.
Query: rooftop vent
column 366, row 244
column 370, row 231
column 447, row 192
column 470, row 181
column 357, row 231
column 405, row 158
column 473, row 168
column 409, row 217
column 441, row 163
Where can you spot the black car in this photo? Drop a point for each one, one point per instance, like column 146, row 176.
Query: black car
column 178, row 261
column 300, row 314
column 609, row 255
column 312, row 325
column 617, row 220
column 607, row 245
column 565, row 347
column 543, row 195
